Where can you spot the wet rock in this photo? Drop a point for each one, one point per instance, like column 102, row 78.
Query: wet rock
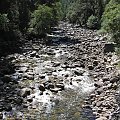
column 56, row 64
column 29, row 99
column 115, row 86
column 37, row 56
column 79, row 72
column 23, row 69
column 115, row 79
column 77, row 79
column 42, row 76
column 33, row 54
column 41, row 87
column 25, row 92
column 109, row 47
column 90, row 67
column 49, row 85
column 95, row 63
column 55, row 90
column 99, row 90
column 60, row 86
column 99, row 103
column 28, row 76
column 109, row 86
column 50, row 53
column 105, row 79
column 92, row 95
column 98, row 84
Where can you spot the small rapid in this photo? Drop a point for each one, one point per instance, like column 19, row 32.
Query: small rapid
column 52, row 86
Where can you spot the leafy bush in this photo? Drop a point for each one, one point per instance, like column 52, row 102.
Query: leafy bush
column 111, row 20
column 93, row 22
column 41, row 20
column 57, row 12
column 4, row 22
column 78, row 11
column 72, row 13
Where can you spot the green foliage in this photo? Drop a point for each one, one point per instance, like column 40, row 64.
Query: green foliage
column 72, row 13
column 78, row 11
column 57, row 12
column 4, row 22
column 93, row 22
column 44, row 18
column 111, row 20
column 41, row 20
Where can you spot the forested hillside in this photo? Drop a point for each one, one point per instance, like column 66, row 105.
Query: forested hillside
column 20, row 17
column 36, row 17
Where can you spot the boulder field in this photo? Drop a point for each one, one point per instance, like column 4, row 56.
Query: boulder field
column 72, row 60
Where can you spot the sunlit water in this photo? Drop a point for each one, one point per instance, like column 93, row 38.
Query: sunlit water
column 64, row 105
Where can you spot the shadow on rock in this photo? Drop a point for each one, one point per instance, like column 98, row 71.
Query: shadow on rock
column 9, row 89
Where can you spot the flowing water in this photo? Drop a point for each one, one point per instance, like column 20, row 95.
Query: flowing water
column 65, row 104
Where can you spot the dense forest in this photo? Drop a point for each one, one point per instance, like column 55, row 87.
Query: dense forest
column 59, row 59
column 36, row 17
column 21, row 17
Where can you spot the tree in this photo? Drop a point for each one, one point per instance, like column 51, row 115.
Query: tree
column 111, row 20
column 41, row 20
column 93, row 22
column 78, row 11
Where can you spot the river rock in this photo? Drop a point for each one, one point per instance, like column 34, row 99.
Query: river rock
column 50, row 53
column 25, row 92
column 60, row 85
column 49, row 86
column 95, row 63
column 99, row 90
column 109, row 47
column 102, row 118
column 33, row 54
column 90, row 67
column 29, row 99
column 98, row 84
column 41, row 87
column 56, row 64
column 28, row 76
column 115, row 79
column 55, row 90
column 79, row 72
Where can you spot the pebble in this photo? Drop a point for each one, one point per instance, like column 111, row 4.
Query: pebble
column 102, row 118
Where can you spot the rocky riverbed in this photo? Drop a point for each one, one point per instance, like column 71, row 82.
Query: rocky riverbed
column 71, row 77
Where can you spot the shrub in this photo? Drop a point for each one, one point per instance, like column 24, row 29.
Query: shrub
column 41, row 20
column 4, row 22
column 93, row 22
column 111, row 20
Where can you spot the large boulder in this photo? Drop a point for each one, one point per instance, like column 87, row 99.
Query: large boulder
column 26, row 92
column 109, row 47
